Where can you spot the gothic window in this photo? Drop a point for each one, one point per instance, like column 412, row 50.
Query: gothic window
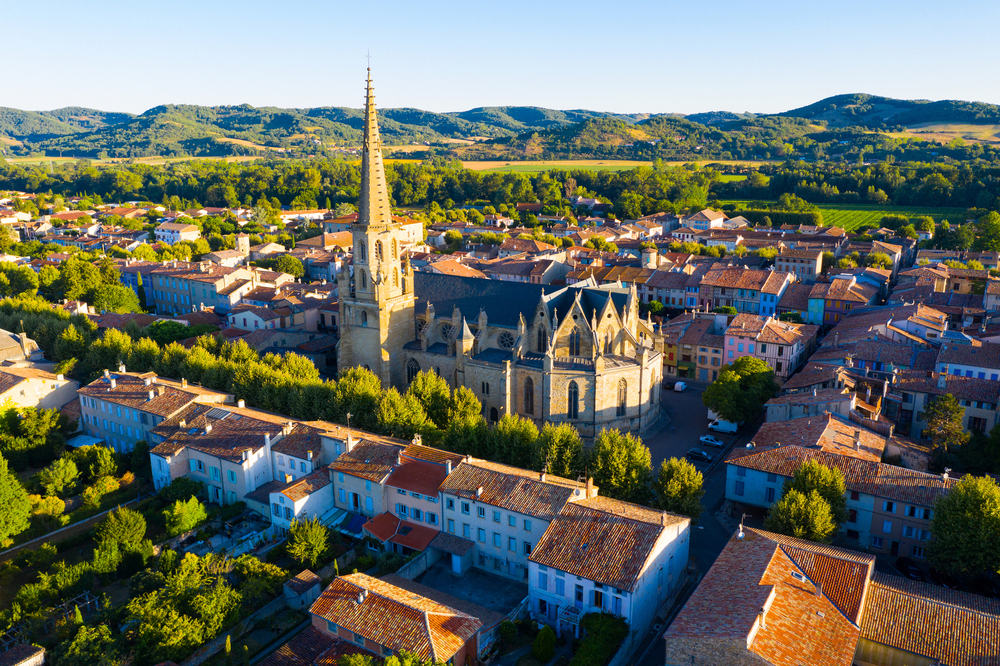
column 573, row 401
column 395, row 249
column 622, row 394
column 574, row 342
column 412, row 368
column 529, row 396
column 364, row 318
column 541, row 340
column 364, row 281
column 506, row 340
column 607, row 342
column 362, row 250
column 378, row 250
column 446, row 331
column 395, row 277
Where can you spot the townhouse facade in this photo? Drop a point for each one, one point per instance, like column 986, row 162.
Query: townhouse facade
column 175, row 232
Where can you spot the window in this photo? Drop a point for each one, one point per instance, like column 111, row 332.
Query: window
column 302, row 468
column 343, row 496
column 467, row 530
column 232, row 476
column 431, row 518
column 277, row 510
column 574, row 342
column 451, row 525
column 481, row 534
column 877, row 542
column 288, row 513
column 739, row 488
column 496, row 540
column 527, row 548
column 450, row 504
column 369, row 504
column 918, row 552
column 977, row 423
column 512, row 544
column 465, row 508
column 908, row 531
column 412, row 370
column 852, row 516
column 769, row 494
column 622, row 396
column 529, row 396
column 359, row 639
column 573, row 401
column 771, row 477
column 730, row 353
column 739, row 347
column 331, row 627
column 527, row 525
column 887, row 526
column 542, row 346
column 855, row 495
column 889, row 507
column 512, row 521
column 482, row 512
column 496, row 516
column 340, row 477
column 402, row 510
column 281, row 462
column 741, row 471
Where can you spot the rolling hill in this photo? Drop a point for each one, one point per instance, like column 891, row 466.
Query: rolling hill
column 506, row 132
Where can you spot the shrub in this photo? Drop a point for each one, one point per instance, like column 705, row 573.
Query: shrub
column 59, row 478
column 92, row 495
column 508, row 632
column 389, row 563
column 544, row 647
column 123, row 526
column 605, row 632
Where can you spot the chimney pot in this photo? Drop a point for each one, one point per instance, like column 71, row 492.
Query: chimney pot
column 114, row 382
column 819, row 589
column 183, row 423
column 151, row 394
column 241, row 404
column 541, row 477
column 447, row 467
column 60, row 377
column 479, row 491
column 184, row 383
column 106, row 373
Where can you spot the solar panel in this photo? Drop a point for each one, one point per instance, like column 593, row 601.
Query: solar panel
column 217, row 414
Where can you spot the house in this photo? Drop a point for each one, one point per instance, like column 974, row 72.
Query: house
column 607, row 556
column 27, row 386
column 123, row 408
column 228, row 258
column 385, row 620
column 512, row 246
column 915, row 389
column 705, row 219
column 175, row 232
column 254, row 317
column 784, row 346
column 304, row 498
column 980, row 360
column 772, row 599
column 789, row 406
column 805, row 265
column 18, row 347
column 266, row 251
column 302, row 590
column 752, row 291
column 830, row 302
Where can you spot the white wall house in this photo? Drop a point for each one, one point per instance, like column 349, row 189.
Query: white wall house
column 174, row 232
column 304, row 499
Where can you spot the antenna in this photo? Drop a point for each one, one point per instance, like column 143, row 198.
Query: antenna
column 369, row 58
column 348, row 423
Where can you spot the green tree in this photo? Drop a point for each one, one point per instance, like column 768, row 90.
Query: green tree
column 70, row 344
column 288, row 264
column 827, row 481
column 621, row 466
column 879, row 260
column 184, row 516
column 944, row 416
column 90, row 646
column 544, row 647
column 801, row 516
column 561, row 448
column 123, row 526
column 464, row 407
column 678, row 488
column 988, row 233
column 741, row 390
column 726, row 310
column 966, row 528
column 15, row 503
column 308, row 541
column 95, row 462
column 400, row 415
column 116, row 298
column 59, row 478
column 432, row 392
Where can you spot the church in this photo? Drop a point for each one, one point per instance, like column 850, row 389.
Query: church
column 579, row 354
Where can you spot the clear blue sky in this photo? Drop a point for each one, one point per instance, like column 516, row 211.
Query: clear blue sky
column 625, row 55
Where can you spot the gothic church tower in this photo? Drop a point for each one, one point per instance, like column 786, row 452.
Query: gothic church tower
column 376, row 304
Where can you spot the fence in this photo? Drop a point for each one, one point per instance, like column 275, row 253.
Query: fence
column 242, row 627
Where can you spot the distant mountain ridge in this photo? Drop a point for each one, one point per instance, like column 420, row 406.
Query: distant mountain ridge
column 171, row 129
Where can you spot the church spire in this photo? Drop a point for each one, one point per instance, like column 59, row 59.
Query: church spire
column 373, row 208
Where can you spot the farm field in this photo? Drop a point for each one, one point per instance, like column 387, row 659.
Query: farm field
column 594, row 165
column 852, row 216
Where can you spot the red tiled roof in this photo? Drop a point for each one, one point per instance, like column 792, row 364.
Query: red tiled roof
column 387, row 527
column 419, row 476
column 312, row 646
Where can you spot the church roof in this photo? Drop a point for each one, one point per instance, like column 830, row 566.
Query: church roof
column 504, row 302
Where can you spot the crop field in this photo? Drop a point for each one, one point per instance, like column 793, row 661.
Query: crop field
column 852, row 216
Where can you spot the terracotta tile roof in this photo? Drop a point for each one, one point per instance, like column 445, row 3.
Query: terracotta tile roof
column 796, row 297
column 394, row 617
column 132, row 391
column 981, row 354
column 387, row 527
column 603, row 540
column 963, row 388
column 827, row 432
column 303, row 581
column 786, row 333
column 264, row 313
column 805, row 398
column 233, row 431
column 369, row 459
column 768, row 282
column 879, row 350
column 307, row 485
column 511, row 488
column 453, row 267
column 9, row 381
column 303, row 439
column 312, row 646
column 419, row 476
column 759, row 572
column 954, row 628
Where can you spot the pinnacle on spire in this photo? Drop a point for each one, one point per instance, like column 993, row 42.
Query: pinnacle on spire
column 373, row 207
column 466, row 333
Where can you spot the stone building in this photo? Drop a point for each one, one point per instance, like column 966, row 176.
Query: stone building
column 579, row 354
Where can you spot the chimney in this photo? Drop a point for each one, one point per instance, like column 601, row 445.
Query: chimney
column 161, row 389
column 541, row 477
column 151, row 394
column 944, row 476
column 399, row 457
column 267, row 439
column 942, row 382
column 184, row 383
column 479, row 491
column 241, row 404
column 819, row 589
column 350, row 440
column 591, row 492
column 60, row 377
column 868, row 394
column 147, row 381
column 763, row 614
column 362, row 595
column 106, row 373
column 114, row 382
column 447, row 467
column 183, row 423
column 288, row 478
column 121, row 367
column 663, row 519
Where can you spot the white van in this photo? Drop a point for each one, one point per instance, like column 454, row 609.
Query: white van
column 680, row 387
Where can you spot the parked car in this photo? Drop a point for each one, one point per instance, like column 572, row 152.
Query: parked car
column 906, row 566
column 680, row 387
column 712, row 440
column 721, row 425
column 698, row 454
column 942, row 579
